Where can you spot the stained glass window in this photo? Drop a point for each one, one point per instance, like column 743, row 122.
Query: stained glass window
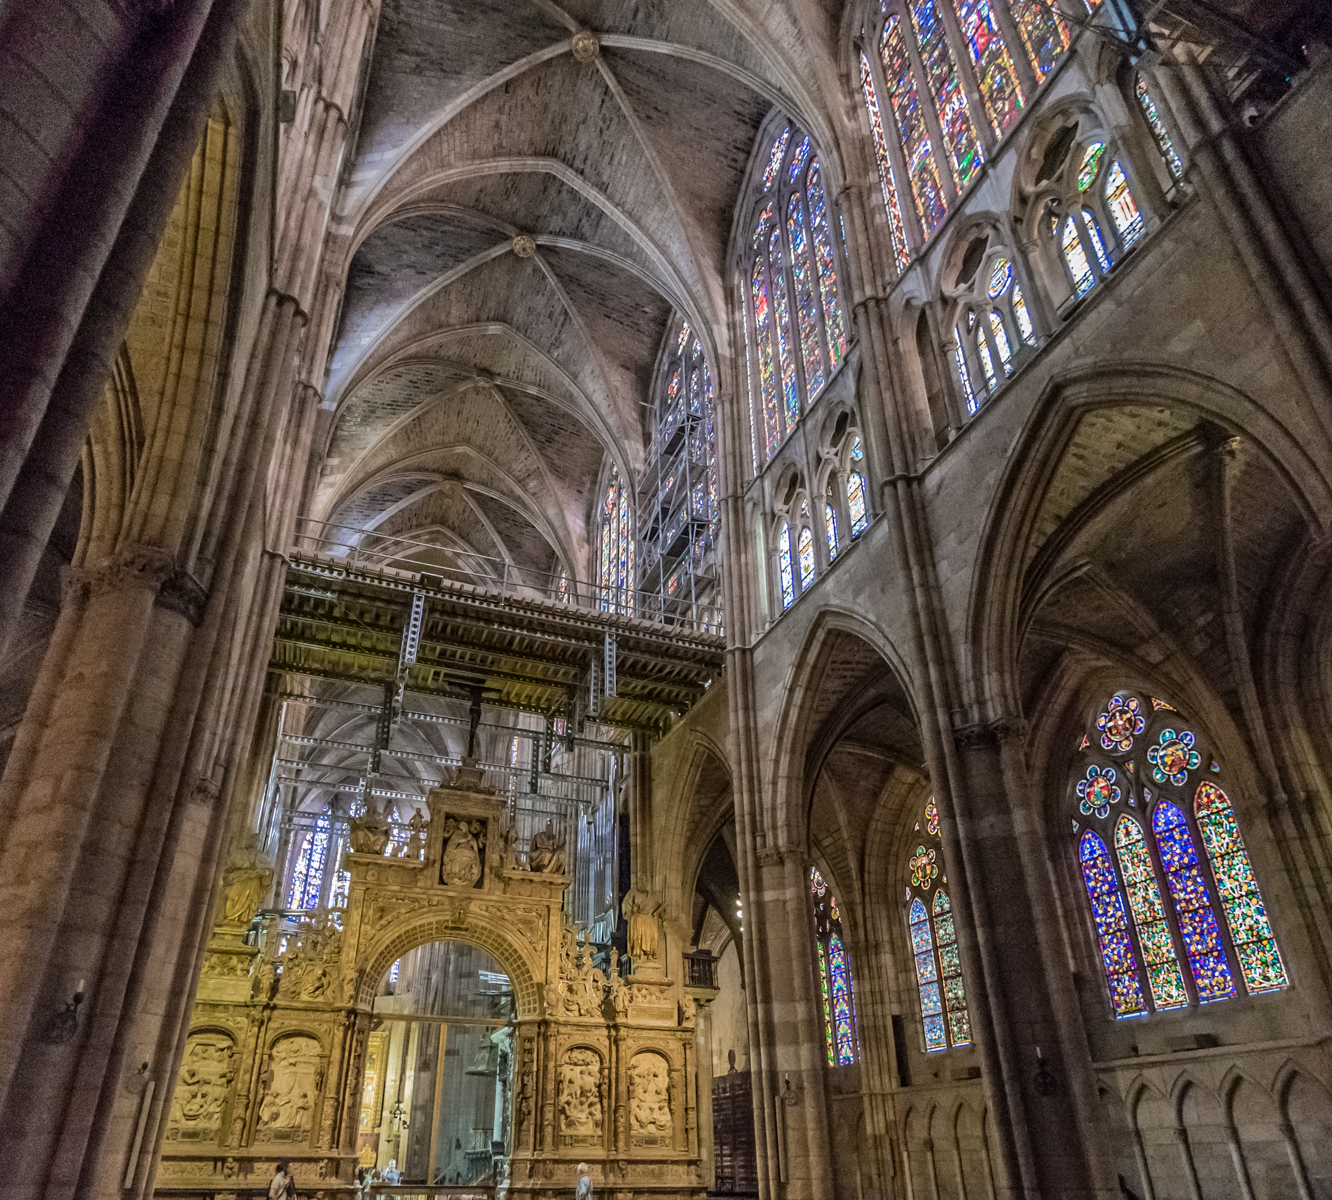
column 1090, row 165
column 1165, row 143
column 307, row 879
column 830, row 523
column 1094, row 236
column 855, row 503
column 836, row 988
column 924, row 176
column 887, row 180
column 987, row 363
column 943, row 998
column 1076, row 258
column 961, row 140
column 1155, row 763
column 1123, row 208
column 1246, row 917
column 1043, row 32
column 784, row 565
column 1158, row 946
column 1023, row 317
column 1112, row 927
column 998, row 80
column 795, row 321
column 964, row 376
column 617, row 566
column 806, row 549
column 1001, row 341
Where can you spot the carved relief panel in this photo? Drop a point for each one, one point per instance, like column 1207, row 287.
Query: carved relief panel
column 291, row 1086
column 580, row 1097
column 202, row 1088
column 650, row 1119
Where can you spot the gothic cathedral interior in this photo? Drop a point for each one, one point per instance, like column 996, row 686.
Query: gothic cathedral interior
column 696, row 599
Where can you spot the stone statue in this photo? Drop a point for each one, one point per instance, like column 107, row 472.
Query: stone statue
column 415, row 845
column 461, row 865
column 245, row 882
column 509, row 848
column 644, row 928
column 546, row 855
column 370, row 832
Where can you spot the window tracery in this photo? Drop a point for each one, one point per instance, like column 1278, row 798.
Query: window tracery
column 945, row 1020
column 836, row 991
column 1179, row 891
column 941, row 85
column 679, row 510
column 993, row 326
column 795, row 323
column 615, row 568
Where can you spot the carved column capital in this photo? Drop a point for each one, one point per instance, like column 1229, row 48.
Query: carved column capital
column 991, row 733
column 144, row 567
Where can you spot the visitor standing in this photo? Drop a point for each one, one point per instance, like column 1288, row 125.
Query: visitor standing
column 283, row 1186
column 584, row 1189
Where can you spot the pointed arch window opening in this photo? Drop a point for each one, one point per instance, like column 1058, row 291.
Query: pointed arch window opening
column 616, row 568
column 945, row 1020
column 307, row 878
column 785, row 573
column 680, row 516
column 1164, row 142
column 830, row 527
column 837, row 990
column 1194, row 928
column 857, row 500
column 795, row 319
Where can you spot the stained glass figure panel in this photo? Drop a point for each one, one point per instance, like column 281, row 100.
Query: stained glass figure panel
column 834, row 324
column 855, row 503
column 826, row 998
column 954, row 990
column 1193, row 906
column 781, row 311
column 911, row 128
column 1164, row 978
column 830, row 524
column 841, row 997
column 1123, row 208
column 766, row 360
column 1090, row 165
column 1246, row 915
column 775, row 158
column 806, row 551
column 927, row 977
column 962, row 143
column 1112, row 927
column 308, row 877
column 784, row 565
column 807, row 303
column 1001, row 341
column 1043, row 32
column 999, row 86
column 1023, row 317
column 1076, row 258
column 887, row 180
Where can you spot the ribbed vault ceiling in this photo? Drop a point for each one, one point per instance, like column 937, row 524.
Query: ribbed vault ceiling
column 476, row 393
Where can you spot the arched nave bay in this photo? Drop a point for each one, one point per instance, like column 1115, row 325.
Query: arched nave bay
column 725, row 593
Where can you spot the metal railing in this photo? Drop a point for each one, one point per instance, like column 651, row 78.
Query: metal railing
column 700, row 969
column 350, row 548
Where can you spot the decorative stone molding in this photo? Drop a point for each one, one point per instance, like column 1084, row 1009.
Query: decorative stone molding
column 586, row 46
column 770, row 856
column 991, row 733
column 524, row 245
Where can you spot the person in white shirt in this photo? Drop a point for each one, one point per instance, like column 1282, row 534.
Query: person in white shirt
column 584, row 1189
column 282, row 1187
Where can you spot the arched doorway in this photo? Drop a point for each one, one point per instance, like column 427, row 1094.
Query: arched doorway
column 435, row 1096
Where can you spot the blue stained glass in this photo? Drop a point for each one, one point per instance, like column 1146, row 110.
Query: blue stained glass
column 830, row 522
column 935, row 1038
column 308, row 877
column 1197, row 923
column 961, row 140
column 1043, row 33
column 855, row 503
column 825, row 994
column 1112, row 927
column 797, row 160
column 841, row 997
column 925, row 971
column 781, row 312
column 921, row 938
column 806, row 554
column 931, row 1000
column 1076, row 258
column 1094, row 232
column 1164, row 141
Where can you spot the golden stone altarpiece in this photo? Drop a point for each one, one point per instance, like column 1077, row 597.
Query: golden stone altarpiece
column 603, row 1066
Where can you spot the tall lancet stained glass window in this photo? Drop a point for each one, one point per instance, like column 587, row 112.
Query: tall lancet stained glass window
column 933, row 932
column 615, row 569
column 307, row 878
column 1178, row 914
column 836, row 992
column 795, row 320
column 929, row 97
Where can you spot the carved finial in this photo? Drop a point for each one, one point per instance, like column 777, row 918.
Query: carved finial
column 586, row 47
column 524, row 246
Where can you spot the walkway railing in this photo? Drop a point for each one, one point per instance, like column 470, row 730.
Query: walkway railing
column 351, row 548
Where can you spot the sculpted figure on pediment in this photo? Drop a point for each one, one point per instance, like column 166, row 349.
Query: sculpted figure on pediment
column 245, row 882
column 464, row 841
